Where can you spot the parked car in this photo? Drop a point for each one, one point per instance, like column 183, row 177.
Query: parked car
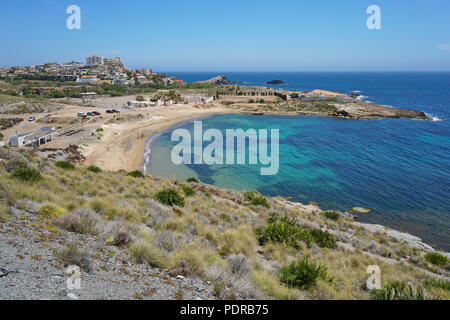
column 90, row 114
column 96, row 113
column 32, row 118
column 115, row 111
column 81, row 114
column 109, row 111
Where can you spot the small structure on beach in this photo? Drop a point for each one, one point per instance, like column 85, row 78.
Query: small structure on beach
column 44, row 136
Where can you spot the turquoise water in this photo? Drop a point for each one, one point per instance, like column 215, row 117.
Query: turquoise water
column 398, row 167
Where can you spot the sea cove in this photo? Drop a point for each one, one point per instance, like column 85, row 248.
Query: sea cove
column 397, row 167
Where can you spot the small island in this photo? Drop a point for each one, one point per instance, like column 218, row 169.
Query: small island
column 276, row 82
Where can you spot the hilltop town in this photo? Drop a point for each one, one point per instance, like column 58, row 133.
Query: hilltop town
column 96, row 70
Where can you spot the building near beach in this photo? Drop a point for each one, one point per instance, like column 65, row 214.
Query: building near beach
column 44, row 136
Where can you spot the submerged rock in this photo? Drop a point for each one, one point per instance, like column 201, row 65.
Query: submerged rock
column 360, row 210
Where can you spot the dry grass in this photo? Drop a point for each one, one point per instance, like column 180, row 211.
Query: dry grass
column 212, row 236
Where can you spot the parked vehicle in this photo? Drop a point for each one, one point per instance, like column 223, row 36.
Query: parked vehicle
column 32, row 118
column 109, row 111
column 81, row 114
column 90, row 114
column 96, row 113
column 115, row 111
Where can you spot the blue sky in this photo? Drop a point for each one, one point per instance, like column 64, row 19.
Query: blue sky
column 232, row 35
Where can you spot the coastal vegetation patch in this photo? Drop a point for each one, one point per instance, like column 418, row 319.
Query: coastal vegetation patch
column 170, row 197
column 303, row 274
column 281, row 251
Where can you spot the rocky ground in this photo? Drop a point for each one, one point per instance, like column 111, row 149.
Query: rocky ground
column 30, row 269
column 364, row 110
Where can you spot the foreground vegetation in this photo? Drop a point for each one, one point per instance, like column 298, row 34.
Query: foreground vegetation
column 258, row 247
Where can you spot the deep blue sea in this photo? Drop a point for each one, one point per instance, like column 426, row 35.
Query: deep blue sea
column 400, row 168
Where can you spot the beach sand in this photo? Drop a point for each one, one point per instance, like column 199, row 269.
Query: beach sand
column 123, row 145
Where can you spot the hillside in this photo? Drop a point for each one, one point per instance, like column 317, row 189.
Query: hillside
column 141, row 237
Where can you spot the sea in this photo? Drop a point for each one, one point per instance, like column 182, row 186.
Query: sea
column 399, row 168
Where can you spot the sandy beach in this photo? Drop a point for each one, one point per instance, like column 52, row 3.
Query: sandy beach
column 122, row 146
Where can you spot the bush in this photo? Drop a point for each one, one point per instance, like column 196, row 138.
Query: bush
column 136, row 174
column 436, row 259
column 122, row 238
column 50, row 210
column 94, row 169
column 303, row 274
column 16, row 163
column 193, row 180
column 440, row 284
column 5, row 212
column 398, row 291
column 284, row 230
column 145, row 252
column 27, row 174
column 323, row 239
column 331, row 215
column 83, row 221
column 140, row 98
column 188, row 191
column 66, row 165
column 170, row 197
column 256, row 199
column 72, row 255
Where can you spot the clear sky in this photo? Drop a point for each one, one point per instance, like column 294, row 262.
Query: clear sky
column 232, row 35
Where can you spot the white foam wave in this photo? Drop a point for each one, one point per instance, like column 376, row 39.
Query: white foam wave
column 434, row 118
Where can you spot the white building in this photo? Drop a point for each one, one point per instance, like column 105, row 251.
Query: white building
column 94, row 61
column 44, row 136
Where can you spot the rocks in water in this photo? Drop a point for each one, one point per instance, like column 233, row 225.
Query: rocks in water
column 341, row 114
column 276, row 82
column 219, row 80
column 360, row 210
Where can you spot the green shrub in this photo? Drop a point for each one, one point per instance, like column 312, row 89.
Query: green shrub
column 50, row 210
column 398, row 291
column 440, row 284
column 66, row 165
column 331, row 215
column 256, row 199
column 303, row 274
column 436, row 259
column 27, row 174
column 286, row 230
column 94, row 169
column 170, row 197
column 99, row 130
column 323, row 239
column 136, row 174
column 283, row 230
column 193, row 180
column 188, row 191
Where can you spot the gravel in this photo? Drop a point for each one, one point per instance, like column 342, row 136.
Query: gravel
column 29, row 269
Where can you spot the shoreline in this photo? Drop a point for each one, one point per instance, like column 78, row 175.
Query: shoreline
column 155, row 135
column 124, row 145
